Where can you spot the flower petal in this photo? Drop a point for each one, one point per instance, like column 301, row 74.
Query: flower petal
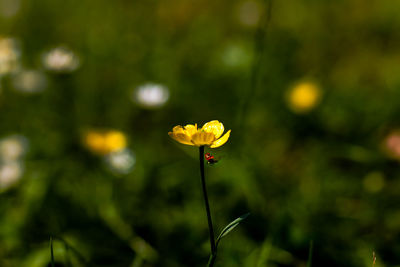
column 178, row 128
column 222, row 140
column 181, row 137
column 191, row 129
column 215, row 127
column 203, row 139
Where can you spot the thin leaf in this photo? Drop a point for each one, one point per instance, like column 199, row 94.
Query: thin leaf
column 231, row 226
column 51, row 251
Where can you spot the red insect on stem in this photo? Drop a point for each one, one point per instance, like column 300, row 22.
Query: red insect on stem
column 210, row 158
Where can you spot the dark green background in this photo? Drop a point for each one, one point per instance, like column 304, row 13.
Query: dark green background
column 300, row 176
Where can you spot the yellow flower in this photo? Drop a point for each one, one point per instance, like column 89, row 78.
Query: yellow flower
column 105, row 142
column 304, row 97
column 208, row 135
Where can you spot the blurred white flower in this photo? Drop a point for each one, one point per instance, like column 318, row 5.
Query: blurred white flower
column 12, row 148
column 60, row 59
column 29, row 81
column 9, row 8
column 122, row 161
column 9, row 55
column 10, row 174
column 151, row 95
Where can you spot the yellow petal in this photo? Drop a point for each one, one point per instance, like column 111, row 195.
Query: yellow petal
column 180, row 137
column 215, row 127
column 203, row 139
column 191, row 129
column 177, row 129
column 222, row 140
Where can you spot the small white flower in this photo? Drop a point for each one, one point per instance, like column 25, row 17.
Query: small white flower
column 60, row 59
column 122, row 161
column 151, row 95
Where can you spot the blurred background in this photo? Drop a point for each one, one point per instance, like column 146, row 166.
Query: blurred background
column 90, row 89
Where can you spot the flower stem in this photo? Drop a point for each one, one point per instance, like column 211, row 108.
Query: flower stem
column 210, row 225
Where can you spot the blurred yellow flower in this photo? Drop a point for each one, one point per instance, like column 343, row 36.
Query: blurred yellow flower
column 303, row 97
column 105, row 142
column 208, row 135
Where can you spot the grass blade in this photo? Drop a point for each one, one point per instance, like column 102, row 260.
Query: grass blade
column 51, row 252
column 231, row 226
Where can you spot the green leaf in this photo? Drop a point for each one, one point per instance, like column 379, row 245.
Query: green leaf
column 231, row 226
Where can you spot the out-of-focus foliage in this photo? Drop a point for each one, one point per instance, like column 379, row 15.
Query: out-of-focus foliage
column 317, row 164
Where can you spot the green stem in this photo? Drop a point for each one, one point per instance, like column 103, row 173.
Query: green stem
column 211, row 260
column 210, row 225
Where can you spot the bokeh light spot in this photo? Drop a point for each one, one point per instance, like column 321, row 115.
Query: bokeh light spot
column 121, row 162
column 29, row 81
column 60, row 59
column 303, row 97
column 103, row 142
column 151, row 95
column 249, row 13
column 9, row 8
column 374, row 182
column 12, row 148
column 10, row 174
column 9, row 55
column 391, row 144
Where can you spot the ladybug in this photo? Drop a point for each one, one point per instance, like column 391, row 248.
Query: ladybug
column 210, row 159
